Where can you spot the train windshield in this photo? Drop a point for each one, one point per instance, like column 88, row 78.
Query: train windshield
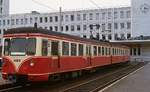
column 20, row 46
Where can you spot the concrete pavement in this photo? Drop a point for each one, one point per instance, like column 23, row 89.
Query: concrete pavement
column 137, row 82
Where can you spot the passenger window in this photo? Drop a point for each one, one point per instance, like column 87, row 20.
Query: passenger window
column 95, row 50
column 73, row 49
column 80, row 50
column 106, row 51
column 44, row 47
column 7, row 47
column 102, row 50
column 87, row 50
column 65, row 48
column 99, row 51
column 54, row 48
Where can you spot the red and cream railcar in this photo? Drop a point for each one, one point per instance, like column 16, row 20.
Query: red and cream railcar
column 38, row 55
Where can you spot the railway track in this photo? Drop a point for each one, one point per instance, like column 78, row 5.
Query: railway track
column 87, row 83
column 102, row 81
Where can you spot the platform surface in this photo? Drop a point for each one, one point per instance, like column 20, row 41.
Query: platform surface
column 139, row 81
column 2, row 82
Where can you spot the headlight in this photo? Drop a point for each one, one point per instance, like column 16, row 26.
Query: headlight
column 32, row 63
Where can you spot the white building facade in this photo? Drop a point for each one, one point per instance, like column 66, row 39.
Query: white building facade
column 4, row 7
column 108, row 24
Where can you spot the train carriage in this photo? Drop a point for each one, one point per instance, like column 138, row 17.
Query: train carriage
column 34, row 54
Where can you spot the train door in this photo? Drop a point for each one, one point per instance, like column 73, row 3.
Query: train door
column 55, row 53
column 88, row 53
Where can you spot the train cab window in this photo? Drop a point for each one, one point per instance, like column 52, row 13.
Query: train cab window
column 44, row 47
column 95, row 50
column 31, row 43
column 103, row 51
column 55, row 48
column 99, row 51
column 7, row 47
column 73, row 49
column 65, row 48
column 80, row 50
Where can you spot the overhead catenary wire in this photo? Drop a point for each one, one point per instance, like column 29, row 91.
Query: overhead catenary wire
column 43, row 5
column 95, row 4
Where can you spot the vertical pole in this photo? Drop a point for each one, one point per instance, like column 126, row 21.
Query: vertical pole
column 60, row 18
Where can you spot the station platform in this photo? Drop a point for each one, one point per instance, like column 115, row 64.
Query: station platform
column 138, row 81
column 2, row 82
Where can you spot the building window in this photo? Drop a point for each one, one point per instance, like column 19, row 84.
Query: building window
column 109, row 37
column 51, row 28
column 67, row 28
column 78, row 28
column 128, row 25
column 103, row 15
column 26, row 21
column 4, row 23
column 78, row 17
column 84, row 27
column 62, row 28
column 1, row 10
column 109, row 15
column 31, row 20
column 116, row 36
column 121, row 14
column 65, row 48
column 12, row 21
column 51, row 19
column 46, row 20
column 122, row 25
column 17, row 21
column 8, row 22
column 109, row 26
column 97, row 16
column 128, row 35
column 91, row 16
column 22, row 21
column 41, row 19
column 56, row 18
column 103, row 37
column 122, row 36
column 128, row 14
column 66, row 18
column 115, row 15
column 115, row 25
column 36, row 19
column 84, row 16
column 62, row 18
column 72, row 17
column 103, row 27
column 1, row 2
column 56, row 28
column 72, row 27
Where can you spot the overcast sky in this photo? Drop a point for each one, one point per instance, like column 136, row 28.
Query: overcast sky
column 25, row 6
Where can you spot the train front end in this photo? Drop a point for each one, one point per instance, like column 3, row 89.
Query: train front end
column 18, row 58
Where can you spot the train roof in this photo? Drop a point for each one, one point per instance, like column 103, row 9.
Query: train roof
column 48, row 32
